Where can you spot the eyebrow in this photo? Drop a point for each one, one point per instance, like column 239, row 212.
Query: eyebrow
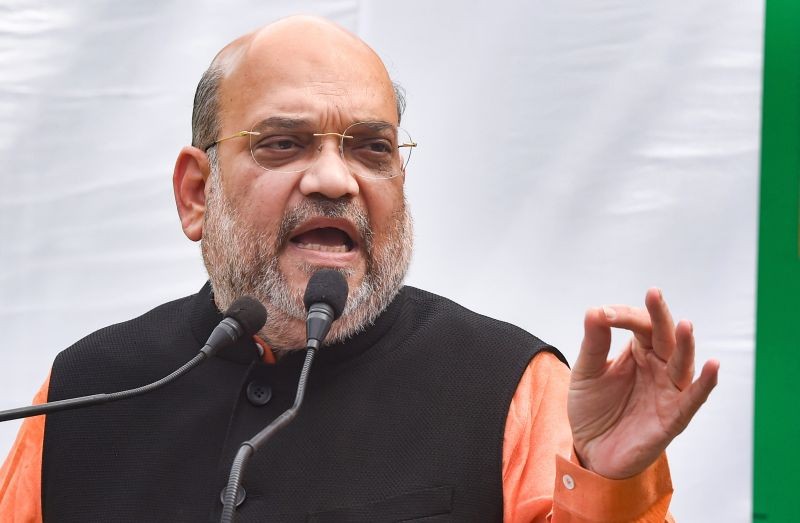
column 285, row 122
column 376, row 125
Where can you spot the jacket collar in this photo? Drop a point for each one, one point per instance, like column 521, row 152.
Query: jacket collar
column 205, row 316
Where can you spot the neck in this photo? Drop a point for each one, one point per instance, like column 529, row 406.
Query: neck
column 283, row 332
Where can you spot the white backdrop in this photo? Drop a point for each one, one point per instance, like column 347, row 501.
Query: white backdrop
column 572, row 153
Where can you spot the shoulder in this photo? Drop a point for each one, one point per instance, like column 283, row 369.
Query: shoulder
column 155, row 323
column 144, row 345
column 456, row 322
column 445, row 313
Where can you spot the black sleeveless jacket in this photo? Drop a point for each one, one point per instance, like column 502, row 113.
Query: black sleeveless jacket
column 403, row 422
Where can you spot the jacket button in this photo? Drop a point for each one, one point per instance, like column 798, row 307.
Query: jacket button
column 258, row 394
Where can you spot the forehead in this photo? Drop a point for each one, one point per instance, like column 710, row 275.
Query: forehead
column 310, row 71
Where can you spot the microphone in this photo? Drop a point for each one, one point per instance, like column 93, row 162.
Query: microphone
column 244, row 317
column 325, row 297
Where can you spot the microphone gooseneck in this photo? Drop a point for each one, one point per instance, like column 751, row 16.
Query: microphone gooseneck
column 325, row 298
column 245, row 317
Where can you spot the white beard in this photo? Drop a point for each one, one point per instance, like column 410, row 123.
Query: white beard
column 243, row 261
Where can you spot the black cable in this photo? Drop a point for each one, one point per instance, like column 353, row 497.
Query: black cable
column 97, row 399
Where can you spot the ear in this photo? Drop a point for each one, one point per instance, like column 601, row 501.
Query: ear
column 189, row 184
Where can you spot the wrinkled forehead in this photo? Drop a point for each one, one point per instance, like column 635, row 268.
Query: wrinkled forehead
column 304, row 67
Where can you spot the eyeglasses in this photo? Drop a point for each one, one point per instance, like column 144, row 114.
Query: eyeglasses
column 370, row 149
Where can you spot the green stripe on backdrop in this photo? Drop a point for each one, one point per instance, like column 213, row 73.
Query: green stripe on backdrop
column 776, row 468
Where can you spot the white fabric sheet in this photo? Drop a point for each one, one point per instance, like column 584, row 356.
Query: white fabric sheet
column 572, row 153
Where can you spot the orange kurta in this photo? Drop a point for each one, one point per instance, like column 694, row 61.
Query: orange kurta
column 541, row 480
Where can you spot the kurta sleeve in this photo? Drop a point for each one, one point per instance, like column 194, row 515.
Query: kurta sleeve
column 21, row 474
column 540, row 481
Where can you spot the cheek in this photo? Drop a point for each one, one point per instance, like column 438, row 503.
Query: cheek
column 261, row 198
column 384, row 208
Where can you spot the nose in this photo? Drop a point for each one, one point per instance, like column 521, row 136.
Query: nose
column 329, row 175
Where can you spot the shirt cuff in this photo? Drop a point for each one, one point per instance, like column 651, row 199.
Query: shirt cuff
column 583, row 496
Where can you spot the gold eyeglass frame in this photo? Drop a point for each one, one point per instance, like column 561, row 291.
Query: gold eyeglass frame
column 342, row 137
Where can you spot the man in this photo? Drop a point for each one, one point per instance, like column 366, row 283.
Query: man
column 416, row 410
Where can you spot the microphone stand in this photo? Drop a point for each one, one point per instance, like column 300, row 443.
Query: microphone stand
column 249, row 447
column 245, row 316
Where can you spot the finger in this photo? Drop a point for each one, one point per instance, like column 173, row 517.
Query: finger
column 633, row 319
column 593, row 355
column 697, row 393
column 663, row 327
column 681, row 365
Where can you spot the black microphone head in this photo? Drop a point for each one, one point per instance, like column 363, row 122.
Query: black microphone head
column 249, row 313
column 327, row 286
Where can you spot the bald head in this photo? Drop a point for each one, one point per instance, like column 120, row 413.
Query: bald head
column 299, row 52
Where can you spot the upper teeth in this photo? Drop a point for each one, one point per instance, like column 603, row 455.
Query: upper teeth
column 323, row 248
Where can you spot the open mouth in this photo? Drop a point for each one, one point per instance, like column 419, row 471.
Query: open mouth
column 324, row 239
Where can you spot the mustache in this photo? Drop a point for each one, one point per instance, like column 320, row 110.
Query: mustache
column 320, row 206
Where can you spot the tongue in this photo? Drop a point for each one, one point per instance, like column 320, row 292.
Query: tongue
column 328, row 236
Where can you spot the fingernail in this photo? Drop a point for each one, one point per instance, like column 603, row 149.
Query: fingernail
column 610, row 313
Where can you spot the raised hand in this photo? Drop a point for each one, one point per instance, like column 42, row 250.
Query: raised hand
column 625, row 412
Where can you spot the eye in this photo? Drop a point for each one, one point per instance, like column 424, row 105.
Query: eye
column 280, row 144
column 280, row 151
column 372, row 146
column 379, row 146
